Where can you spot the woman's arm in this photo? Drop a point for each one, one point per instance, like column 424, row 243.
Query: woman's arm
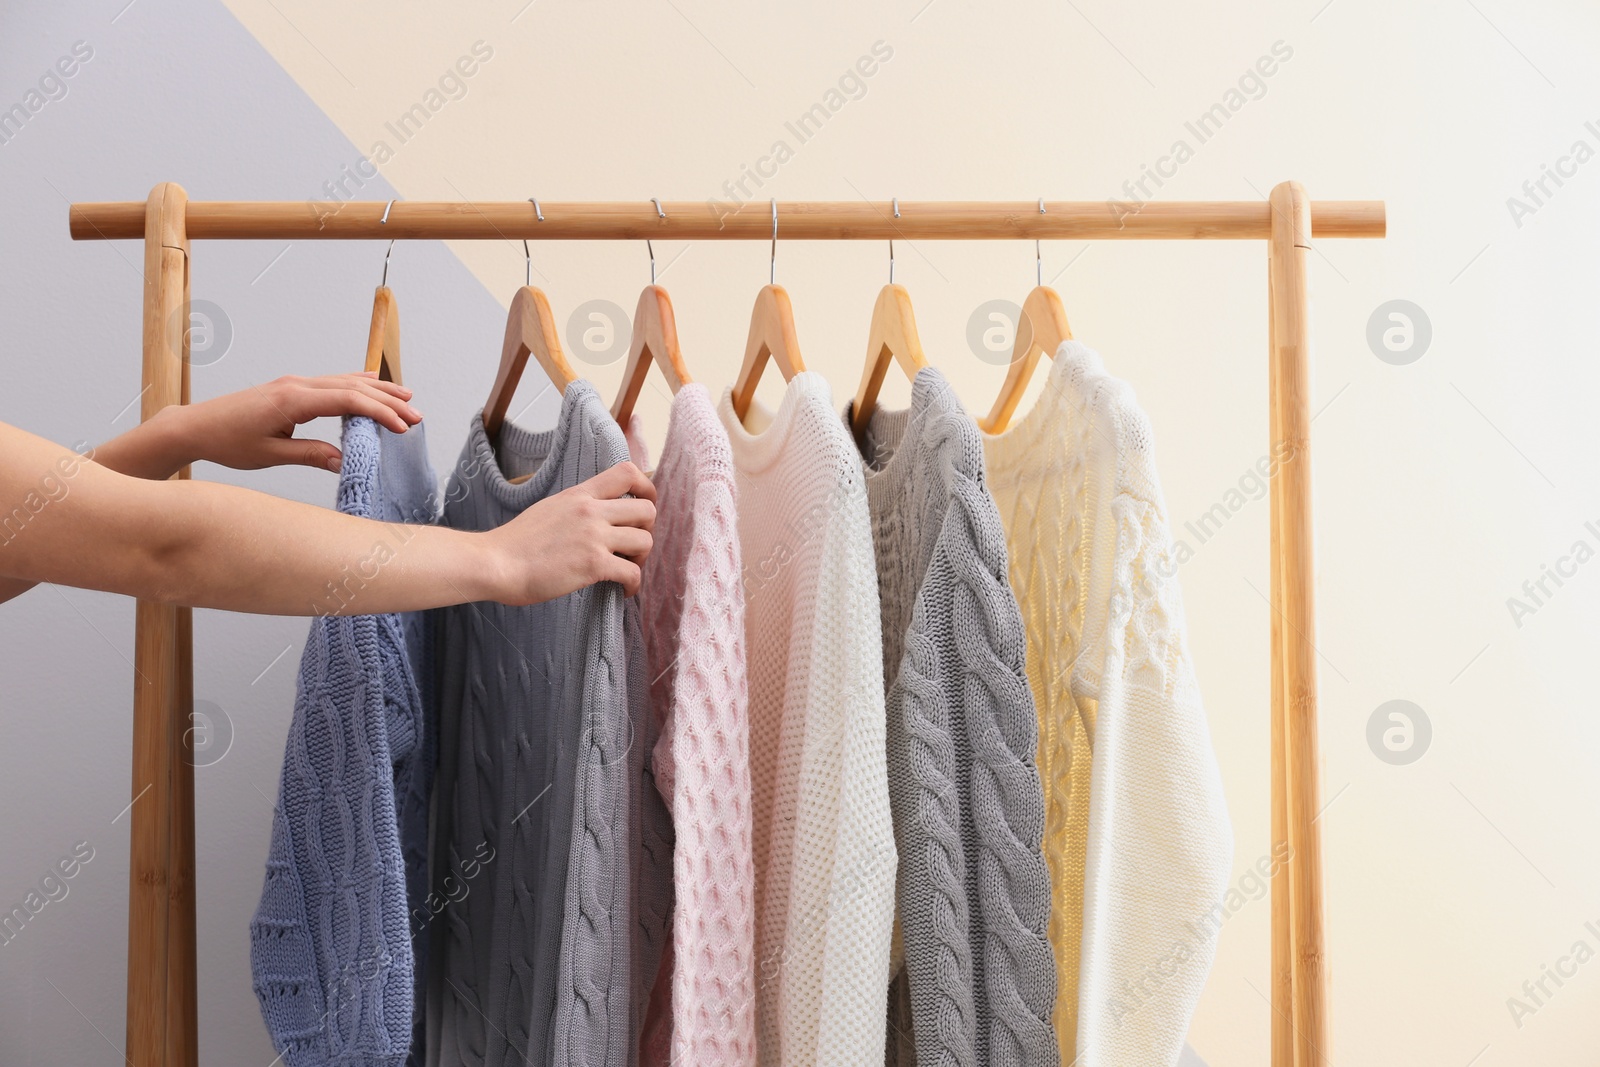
column 66, row 519
column 254, row 428
column 248, row 430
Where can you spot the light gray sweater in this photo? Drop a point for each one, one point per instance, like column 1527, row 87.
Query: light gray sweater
column 551, row 852
column 973, row 890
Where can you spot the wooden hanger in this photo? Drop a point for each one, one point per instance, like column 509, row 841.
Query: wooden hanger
column 1041, row 329
column 530, row 330
column 383, row 336
column 771, row 335
column 655, row 340
column 892, row 336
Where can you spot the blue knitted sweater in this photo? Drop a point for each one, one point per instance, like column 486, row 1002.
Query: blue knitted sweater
column 331, row 942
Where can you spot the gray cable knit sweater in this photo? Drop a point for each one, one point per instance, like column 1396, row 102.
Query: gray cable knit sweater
column 973, row 890
column 551, row 851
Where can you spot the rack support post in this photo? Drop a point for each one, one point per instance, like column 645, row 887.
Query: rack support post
column 162, row 1025
column 1282, row 970
column 1299, row 966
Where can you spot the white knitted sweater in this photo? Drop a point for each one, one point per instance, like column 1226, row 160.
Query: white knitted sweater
column 822, row 834
column 1134, row 813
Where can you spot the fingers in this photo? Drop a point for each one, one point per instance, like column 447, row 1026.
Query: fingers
column 624, row 478
column 301, row 451
column 386, row 403
column 382, row 409
column 626, row 511
column 393, row 388
column 629, row 541
column 624, row 572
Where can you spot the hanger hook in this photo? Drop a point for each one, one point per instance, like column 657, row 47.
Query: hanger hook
column 1038, row 257
column 527, row 257
column 894, row 202
column 660, row 214
column 772, row 271
column 384, row 222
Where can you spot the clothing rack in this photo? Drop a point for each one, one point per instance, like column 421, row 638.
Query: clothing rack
column 162, row 1026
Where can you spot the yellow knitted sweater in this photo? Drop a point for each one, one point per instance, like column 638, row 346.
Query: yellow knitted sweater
column 1136, row 827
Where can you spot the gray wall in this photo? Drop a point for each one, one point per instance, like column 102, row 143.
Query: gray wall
column 173, row 91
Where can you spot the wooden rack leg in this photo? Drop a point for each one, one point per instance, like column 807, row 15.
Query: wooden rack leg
column 162, row 1026
column 1282, row 941
column 1291, row 234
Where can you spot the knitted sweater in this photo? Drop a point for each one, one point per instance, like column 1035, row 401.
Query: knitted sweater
column 702, row 1011
column 1136, row 827
column 330, row 944
column 551, row 848
column 974, row 891
column 822, row 832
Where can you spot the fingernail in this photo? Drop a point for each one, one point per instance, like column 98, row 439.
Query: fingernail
column 334, row 464
column 413, row 412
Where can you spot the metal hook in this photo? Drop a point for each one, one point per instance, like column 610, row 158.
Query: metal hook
column 527, row 268
column 1038, row 257
column 384, row 222
column 772, row 272
column 894, row 202
column 660, row 214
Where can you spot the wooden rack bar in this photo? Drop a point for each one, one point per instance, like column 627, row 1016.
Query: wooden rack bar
column 306, row 220
column 161, row 1023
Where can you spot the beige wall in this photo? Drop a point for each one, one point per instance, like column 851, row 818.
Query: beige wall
column 1442, row 485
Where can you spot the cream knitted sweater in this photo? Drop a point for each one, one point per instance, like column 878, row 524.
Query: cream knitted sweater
column 1136, row 826
column 823, row 836
column 703, row 1009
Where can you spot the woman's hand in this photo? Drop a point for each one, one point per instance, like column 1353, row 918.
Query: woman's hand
column 590, row 533
column 210, row 545
column 254, row 428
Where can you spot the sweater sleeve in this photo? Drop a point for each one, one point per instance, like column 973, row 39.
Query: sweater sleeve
column 707, row 748
column 651, row 843
column 847, row 688
column 1160, row 843
column 330, row 942
column 969, row 807
column 1019, row 968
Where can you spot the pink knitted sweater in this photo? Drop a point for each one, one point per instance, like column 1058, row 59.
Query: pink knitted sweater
column 703, row 1009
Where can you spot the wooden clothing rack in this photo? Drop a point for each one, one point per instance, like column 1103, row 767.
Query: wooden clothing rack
column 162, row 1026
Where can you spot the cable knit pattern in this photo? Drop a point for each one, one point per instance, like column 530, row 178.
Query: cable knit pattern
column 1039, row 478
column 550, row 846
column 330, row 944
column 974, row 890
column 1077, row 487
column 703, row 1007
column 822, row 833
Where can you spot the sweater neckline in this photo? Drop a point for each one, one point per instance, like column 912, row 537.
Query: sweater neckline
column 540, row 450
column 755, row 451
column 1017, row 441
column 693, row 425
column 888, row 427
